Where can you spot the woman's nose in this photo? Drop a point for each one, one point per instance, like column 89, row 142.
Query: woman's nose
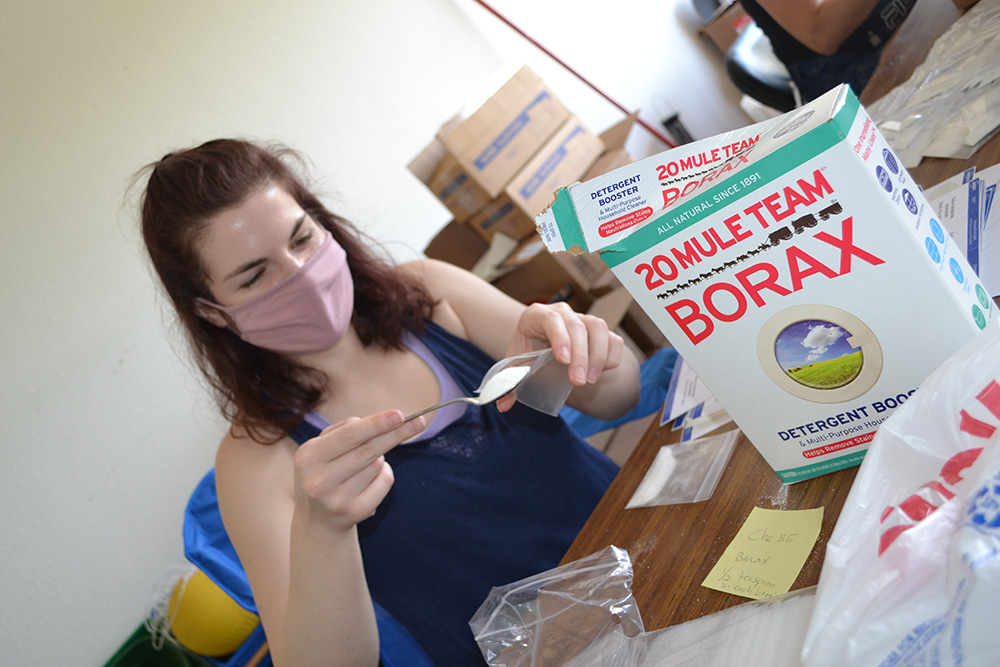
column 289, row 263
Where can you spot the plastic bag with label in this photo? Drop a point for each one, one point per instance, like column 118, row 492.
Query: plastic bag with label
column 912, row 570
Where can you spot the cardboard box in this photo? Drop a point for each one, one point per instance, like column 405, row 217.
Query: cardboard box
column 502, row 215
column 564, row 158
column 492, row 141
column 457, row 244
column 440, row 171
column 586, row 271
column 728, row 23
column 443, row 176
column 459, row 193
column 795, row 265
column 543, row 280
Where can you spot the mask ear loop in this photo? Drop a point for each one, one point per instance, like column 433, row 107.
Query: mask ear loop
column 201, row 304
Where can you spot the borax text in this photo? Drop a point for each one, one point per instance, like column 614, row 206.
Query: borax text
column 724, row 301
column 739, row 152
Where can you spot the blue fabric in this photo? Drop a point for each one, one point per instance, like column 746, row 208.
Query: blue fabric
column 207, row 545
column 654, row 376
column 823, row 73
column 490, row 500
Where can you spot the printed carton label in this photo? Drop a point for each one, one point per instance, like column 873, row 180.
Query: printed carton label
column 804, row 279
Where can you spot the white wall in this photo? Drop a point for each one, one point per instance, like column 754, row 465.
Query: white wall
column 105, row 429
column 645, row 55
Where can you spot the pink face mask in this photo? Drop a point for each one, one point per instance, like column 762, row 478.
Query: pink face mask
column 307, row 312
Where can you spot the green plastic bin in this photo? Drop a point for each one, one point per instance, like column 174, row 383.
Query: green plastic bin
column 138, row 651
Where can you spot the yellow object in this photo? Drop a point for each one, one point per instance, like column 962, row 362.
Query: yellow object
column 205, row 619
column 765, row 557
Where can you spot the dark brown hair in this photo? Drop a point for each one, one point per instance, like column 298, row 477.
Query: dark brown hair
column 261, row 392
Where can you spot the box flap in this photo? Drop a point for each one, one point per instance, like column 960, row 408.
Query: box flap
column 617, row 135
column 611, row 159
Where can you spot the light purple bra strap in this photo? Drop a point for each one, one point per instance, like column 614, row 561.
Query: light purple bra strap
column 449, row 390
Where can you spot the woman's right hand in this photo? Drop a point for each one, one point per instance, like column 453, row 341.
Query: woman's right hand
column 341, row 475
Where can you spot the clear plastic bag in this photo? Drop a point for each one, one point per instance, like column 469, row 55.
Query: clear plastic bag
column 551, row 617
column 685, row 472
column 582, row 614
column 547, row 385
column 912, row 570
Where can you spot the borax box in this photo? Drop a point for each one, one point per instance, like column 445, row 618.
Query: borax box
column 795, row 265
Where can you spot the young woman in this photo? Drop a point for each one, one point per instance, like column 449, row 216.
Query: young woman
column 316, row 350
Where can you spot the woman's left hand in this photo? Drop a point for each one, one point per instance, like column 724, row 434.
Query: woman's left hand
column 583, row 343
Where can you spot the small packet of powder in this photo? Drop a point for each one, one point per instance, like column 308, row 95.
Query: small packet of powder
column 546, row 386
column 686, row 472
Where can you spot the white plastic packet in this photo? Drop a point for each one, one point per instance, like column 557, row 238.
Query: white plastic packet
column 763, row 633
column 982, row 115
column 912, row 570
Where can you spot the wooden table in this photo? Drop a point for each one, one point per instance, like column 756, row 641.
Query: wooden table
column 674, row 547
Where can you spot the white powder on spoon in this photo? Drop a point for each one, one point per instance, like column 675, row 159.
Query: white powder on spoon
column 503, row 383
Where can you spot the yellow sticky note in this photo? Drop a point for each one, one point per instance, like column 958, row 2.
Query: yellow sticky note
column 767, row 554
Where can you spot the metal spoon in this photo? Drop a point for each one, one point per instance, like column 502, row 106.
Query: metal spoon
column 495, row 388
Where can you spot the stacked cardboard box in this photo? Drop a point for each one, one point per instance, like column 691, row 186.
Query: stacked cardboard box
column 495, row 166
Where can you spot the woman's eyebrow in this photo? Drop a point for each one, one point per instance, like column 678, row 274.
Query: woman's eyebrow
column 257, row 262
column 297, row 226
column 245, row 267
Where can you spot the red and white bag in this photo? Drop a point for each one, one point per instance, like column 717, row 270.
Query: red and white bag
column 912, row 569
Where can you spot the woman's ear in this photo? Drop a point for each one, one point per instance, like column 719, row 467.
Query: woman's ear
column 207, row 311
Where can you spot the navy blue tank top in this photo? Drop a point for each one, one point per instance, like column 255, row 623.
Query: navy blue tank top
column 489, row 500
